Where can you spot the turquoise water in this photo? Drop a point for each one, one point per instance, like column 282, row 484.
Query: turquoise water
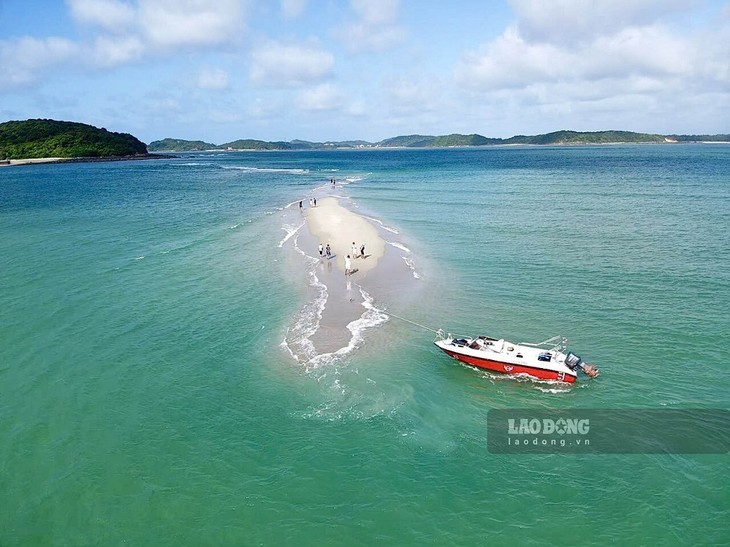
column 146, row 397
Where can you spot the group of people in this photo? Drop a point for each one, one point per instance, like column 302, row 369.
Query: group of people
column 326, row 251
column 312, row 202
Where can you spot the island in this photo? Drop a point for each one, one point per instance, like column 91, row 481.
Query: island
column 44, row 140
column 556, row 138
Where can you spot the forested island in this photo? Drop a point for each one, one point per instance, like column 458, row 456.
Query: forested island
column 56, row 139
column 556, row 138
column 41, row 138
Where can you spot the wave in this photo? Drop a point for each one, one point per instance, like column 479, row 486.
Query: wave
column 265, row 169
column 297, row 340
column 383, row 226
column 399, row 246
column 412, row 266
column 290, row 231
column 546, row 386
column 195, row 164
column 372, row 317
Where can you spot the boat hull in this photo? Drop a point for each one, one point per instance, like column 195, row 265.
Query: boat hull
column 511, row 368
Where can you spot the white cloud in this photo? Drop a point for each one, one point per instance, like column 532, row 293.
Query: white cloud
column 572, row 21
column 114, row 51
column 620, row 64
column 175, row 23
column 165, row 23
column 124, row 31
column 413, row 94
column 23, row 59
column 650, row 54
column 112, row 15
column 291, row 9
column 277, row 64
column 376, row 28
column 377, row 12
column 213, row 78
column 320, row 98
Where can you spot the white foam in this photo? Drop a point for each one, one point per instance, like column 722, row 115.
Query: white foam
column 372, row 317
column 546, row 386
column 383, row 226
column 290, row 231
column 354, row 178
column 412, row 266
column 297, row 340
column 265, row 170
column 399, row 246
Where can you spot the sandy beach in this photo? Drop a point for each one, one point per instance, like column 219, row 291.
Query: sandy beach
column 29, row 161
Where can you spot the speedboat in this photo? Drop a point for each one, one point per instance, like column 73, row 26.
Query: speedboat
column 548, row 360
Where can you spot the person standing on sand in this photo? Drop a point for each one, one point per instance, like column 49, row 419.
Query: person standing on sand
column 321, row 249
column 354, row 250
column 348, row 265
column 362, row 251
column 328, row 250
column 315, row 202
column 300, row 203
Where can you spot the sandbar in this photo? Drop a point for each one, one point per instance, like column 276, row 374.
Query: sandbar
column 332, row 224
column 344, row 307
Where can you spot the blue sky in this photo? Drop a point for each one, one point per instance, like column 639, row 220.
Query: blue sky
column 319, row 70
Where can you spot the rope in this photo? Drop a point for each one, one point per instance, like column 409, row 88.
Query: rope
column 411, row 322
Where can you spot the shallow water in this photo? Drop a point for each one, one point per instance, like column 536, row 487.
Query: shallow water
column 146, row 397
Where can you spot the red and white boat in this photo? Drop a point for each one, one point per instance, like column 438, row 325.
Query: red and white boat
column 548, row 360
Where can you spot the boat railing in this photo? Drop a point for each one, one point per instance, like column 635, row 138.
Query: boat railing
column 442, row 335
column 556, row 343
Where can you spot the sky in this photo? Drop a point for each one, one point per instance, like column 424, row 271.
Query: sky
column 335, row 70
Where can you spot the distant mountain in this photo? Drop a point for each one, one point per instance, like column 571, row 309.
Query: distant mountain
column 407, row 141
column 179, row 145
column 463, row 140
column 556, row 138
column 578, row 137
column 700, row 138
column 57, row 139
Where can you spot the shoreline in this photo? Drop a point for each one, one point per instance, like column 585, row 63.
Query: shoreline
column 44, row 161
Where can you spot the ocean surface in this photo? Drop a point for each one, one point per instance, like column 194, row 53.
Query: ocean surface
column 150, row 395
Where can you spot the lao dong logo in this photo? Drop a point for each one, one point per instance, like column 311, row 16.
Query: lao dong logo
column 548, row 426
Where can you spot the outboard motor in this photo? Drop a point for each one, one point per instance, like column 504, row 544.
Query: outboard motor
column 572, row 361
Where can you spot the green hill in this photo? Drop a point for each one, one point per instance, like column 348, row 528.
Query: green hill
column 556, row 138
column 463, row 140
column 700, row 138
column 253, row 144
column 179, row 145
column 408, row 140
column 442, row 141
column 583, row 137
column 57, row 139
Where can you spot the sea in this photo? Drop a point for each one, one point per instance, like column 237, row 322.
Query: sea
column 149, row 393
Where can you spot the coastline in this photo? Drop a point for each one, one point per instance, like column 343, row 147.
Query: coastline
column 37, row 161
